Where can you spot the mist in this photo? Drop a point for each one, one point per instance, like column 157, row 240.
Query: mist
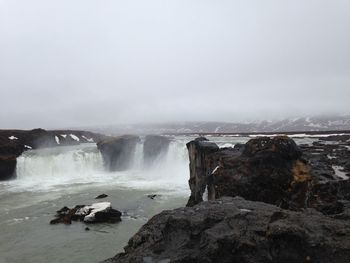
column 82, row 63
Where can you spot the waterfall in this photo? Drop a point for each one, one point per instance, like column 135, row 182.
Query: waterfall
column 65, row 166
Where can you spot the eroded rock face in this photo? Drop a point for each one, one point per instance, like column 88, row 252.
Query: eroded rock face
column 202, row 162
column 235, row 230
column 118, row 153
column 7, row 167
column 271, row 170
column 154, row 147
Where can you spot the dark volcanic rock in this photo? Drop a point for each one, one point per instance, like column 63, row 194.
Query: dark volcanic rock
column 118, row 153
column 265, row 169
column 7, row 167
column 96, row 213
column 271, row 170
column 101, row 196
column 236, row 230
column 201, row 155
column 154, row 147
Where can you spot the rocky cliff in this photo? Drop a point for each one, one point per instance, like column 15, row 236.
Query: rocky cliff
column 298, row 208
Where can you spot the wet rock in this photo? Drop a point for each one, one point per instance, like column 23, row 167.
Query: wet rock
column 235, row 230
column 95, row 213
column 154, row 147
column 7, row 167
column 101, row 196
column 202, row 162
column 153, row 196
column 118, row 153
column 272, row 170
column 263, row 170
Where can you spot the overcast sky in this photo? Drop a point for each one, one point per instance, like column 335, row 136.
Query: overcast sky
column 69, row 63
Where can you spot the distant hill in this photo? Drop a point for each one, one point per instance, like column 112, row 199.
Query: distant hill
column 306, row 124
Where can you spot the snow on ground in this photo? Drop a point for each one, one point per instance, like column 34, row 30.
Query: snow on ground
column 338, row 172
column 74, row 137
column 89, row 140
column 217, row 129
column 93, row 209
column 298, row 135
column 13, row 138
column 216, row 168
column 227, row 145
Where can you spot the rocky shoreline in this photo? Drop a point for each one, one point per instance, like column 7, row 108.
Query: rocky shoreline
column 270, row 200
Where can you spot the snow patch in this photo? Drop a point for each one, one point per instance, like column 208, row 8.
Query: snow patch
column 227, row 145
column 13, row 138
column 216, row 168
column 89, row 140
column 337, row 169
column 90, row 210
column 74, row 137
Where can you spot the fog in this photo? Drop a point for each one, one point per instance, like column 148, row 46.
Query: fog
column 82, row 63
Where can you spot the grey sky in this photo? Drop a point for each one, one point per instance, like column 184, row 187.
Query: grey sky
column 76, row 63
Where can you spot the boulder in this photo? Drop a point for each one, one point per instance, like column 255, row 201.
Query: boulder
column 118, row 153
column 95, row 213
column 154, row 147
column 235, row 230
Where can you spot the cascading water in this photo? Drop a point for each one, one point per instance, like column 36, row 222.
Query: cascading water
column 47, row 168
column 54, row 168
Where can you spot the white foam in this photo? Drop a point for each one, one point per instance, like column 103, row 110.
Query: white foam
column 28, row 147
column 13, row 138
column 60, row 167
column 64, row 135
column 57, row 140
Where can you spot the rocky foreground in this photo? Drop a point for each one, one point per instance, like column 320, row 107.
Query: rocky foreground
column 298, row 208
column 235, row 230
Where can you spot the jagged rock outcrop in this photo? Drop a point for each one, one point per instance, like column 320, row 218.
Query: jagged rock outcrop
column 235, row 230
column 154, row 147
column 270, row 170
column 118, row 153
column 202, row 160
column 90, row 214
